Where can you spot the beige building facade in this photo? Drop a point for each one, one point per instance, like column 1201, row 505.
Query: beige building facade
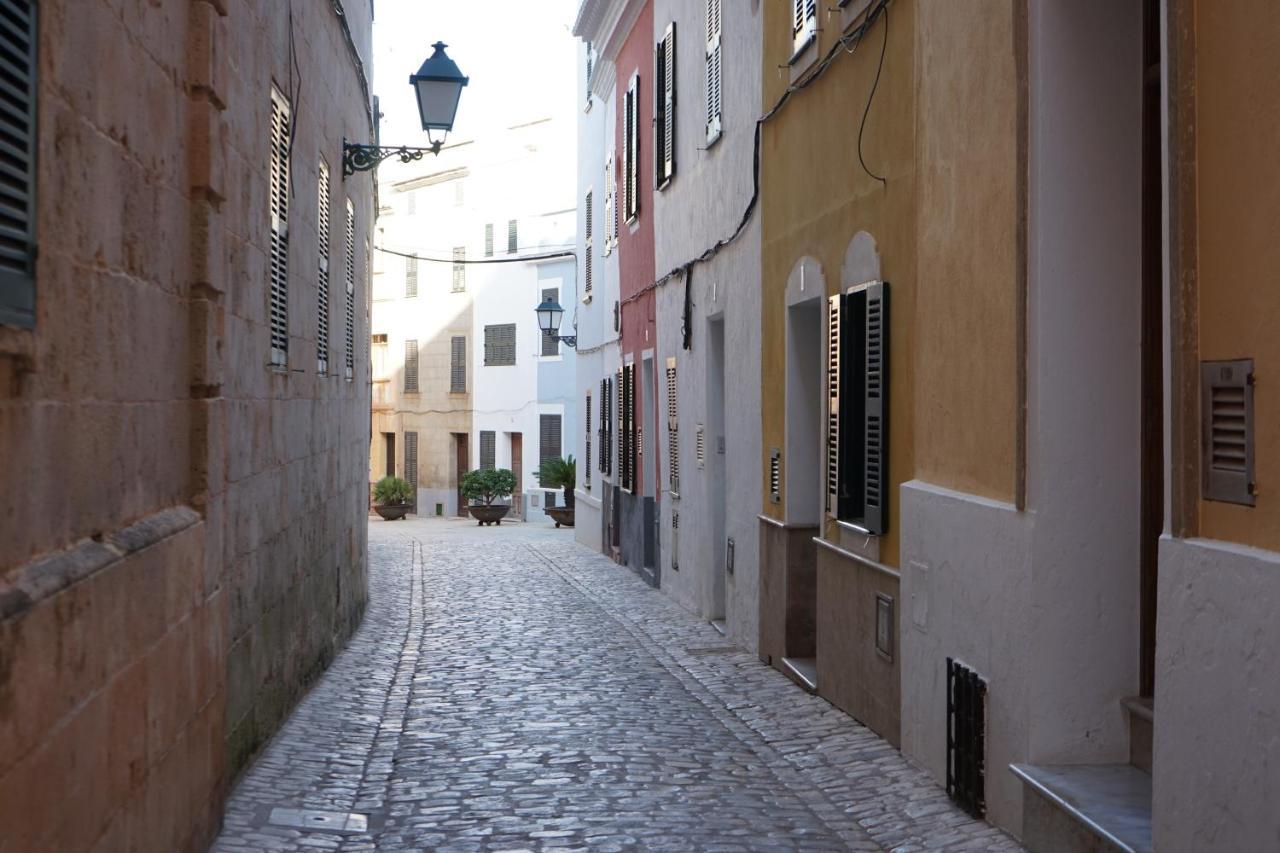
column 183, row 402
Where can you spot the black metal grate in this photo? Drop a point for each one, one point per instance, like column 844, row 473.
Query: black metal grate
column 966, row 738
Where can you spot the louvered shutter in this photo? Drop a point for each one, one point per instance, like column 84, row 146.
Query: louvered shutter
column 350, row 343
column 1227, row 432
column 488, row 450
column 626, row 436
column 411, row 466
column 665, row 113
column 588, row 250
column 586, row 436
column 610, row 218
column 500, row 345
column 411, row 367
column 673, row 429
column 549, row 437
column 18, row 164
column 876, row 388
column 550, row 346
column 843, row 416
column 279, row 212
column 631, row 139
column 714, row 76
column 458, row 365
column 804, row 23
column 512, row 241
column 322, row 276
column 603, row 461
column 459, row 269
column 410, row 277
column 488, row 240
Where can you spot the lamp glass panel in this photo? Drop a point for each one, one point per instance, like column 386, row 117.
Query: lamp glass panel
column 438, row 103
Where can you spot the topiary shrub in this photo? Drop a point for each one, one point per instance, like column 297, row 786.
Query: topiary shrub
column 485, row 485
column 392, row 490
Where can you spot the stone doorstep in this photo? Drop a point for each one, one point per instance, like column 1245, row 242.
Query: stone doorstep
column 803, row 671
column 1111, row 802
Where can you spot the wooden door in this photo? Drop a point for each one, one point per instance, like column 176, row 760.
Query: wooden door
column 460, row 442
column 517, row 467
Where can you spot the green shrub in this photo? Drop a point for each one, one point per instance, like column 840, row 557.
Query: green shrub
column 559, row 473
column 392, row 490
column 486, row 485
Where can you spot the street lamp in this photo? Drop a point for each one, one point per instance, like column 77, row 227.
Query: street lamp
column 438, row 86
column 549, row 316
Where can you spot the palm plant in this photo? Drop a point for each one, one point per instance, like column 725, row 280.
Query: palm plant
column 559, row 473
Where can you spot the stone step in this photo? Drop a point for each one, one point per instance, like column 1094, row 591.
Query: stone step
column 1087, row 807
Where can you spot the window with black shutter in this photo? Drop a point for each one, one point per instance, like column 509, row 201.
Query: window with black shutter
column 322, row 276
column 488, row 449
column 458, row 365
column 500, row 345
column 804, row 24
column 631, row 150
column 18, row 165
column 673, row 429
column 550, row 346
column 351, row 291
column 610, row 206
column 664, row 129
column 857, row 406
column 606, row 427
column 588, row 247
column 586, row 437
column 714, row 71
column 549, row 437
column 410, row 277
column 278, row 200
column 627, row 458
column 411, row 367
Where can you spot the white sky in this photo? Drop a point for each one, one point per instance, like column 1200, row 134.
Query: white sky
column 519, row 54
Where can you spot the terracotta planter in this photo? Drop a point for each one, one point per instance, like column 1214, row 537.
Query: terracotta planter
column 489, row 514
column 392, row 512
column 562, row 515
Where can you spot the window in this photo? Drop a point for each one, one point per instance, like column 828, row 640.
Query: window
column 411, row 466
column 673, row 429
column 379, row 339
column 512, row 242
column 858, row 408
column 804, row 24
column 322, row 276
column 549, row 445
column 714, row 75
column 459, row 269
column 610, row 207
column 18, row 183
column 586, row 438
column 488, row 450
column 411, row 367
column 458, row 365
column 588, row 249
column 627, row 414
column 488, row 240
column 664, row 133
column 500, row 345
column 550, row 346
column 606, row 427
column 410, row 277
column 591, row 66
column 631, row 150
column 351, row 292
column 278, row 202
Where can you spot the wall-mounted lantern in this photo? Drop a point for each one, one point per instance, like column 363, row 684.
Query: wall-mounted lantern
column 549, row 316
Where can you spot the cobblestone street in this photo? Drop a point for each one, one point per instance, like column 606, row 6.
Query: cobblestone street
column 509, row 689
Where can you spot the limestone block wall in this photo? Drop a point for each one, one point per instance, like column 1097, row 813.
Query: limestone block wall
column 181, row 527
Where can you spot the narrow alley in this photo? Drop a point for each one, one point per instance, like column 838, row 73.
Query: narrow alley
column 510, row 689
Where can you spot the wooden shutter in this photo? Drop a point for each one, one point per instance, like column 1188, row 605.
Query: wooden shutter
column 673, row 428
column 18, row 164
column 834, row 305
column 804, row 23
column 627, row 449
column 322, row 276
column 411, row 466
column 875, row 456
column 631, row 139
column 458, row 365
column 351, row 291
column 488, row 240
column 588, row 250
column 500, row 345
column 411, row 277
column 586, row 435
column 488, row 450
column 512, row 241
column 610, row 214
column 1227, row 432
column 714, row 76
column 665, row 109
column 549, row 437
column 278, row 199
column 606, row 427
column 550, row 346
column 411, row 367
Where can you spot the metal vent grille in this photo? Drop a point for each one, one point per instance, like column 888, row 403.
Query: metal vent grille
column 322, row 275
column 281, row 132
column 966, row 738
column 1227, row 432
column 775, row 475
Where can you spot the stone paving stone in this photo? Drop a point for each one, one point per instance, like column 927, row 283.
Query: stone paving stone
column 510, row 690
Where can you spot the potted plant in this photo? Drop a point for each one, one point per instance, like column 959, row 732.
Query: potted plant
column 482, row 487
column 560, row 473
column 392, row 498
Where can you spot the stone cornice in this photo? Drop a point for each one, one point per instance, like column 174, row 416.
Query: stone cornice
column 606, row 24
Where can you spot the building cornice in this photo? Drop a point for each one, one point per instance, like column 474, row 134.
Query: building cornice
column 606, row 24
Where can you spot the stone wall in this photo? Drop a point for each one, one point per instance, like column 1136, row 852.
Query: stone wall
column 183, row 541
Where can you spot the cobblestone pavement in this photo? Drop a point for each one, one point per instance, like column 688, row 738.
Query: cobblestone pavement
column 511, row 690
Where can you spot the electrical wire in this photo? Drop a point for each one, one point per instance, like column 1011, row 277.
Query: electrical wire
column 867, row 110
column 510, row 259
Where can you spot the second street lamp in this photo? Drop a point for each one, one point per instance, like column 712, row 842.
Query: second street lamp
column 549, row 316
column 438, row 87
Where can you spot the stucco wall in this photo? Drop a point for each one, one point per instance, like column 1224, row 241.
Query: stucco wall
column 1237, row 70
column 184, row 526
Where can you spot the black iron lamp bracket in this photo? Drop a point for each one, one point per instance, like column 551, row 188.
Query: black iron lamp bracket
column 570, row 341
column 365, row 158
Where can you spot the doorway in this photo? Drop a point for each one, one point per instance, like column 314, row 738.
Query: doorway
column 461, row 446
column 389, row 450
column 517, row 467
column 716, row 469
column 803, row 486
